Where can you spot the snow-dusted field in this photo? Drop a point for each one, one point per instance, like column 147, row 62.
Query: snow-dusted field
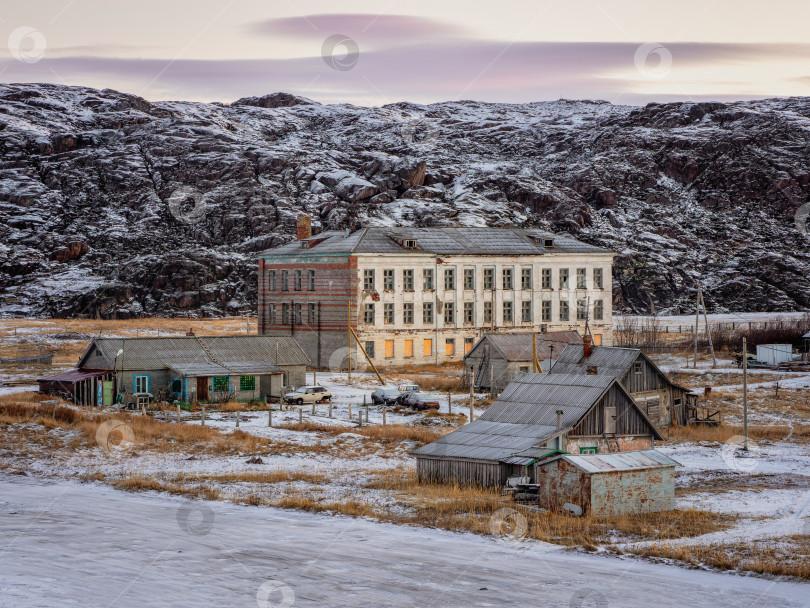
column 70, row 544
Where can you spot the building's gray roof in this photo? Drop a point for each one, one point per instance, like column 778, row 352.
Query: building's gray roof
column 524, row 415
column 518, row 347
column 807, row 335
column 619, row 461
column 202, row 355
column 609, row 360
column 438, row 241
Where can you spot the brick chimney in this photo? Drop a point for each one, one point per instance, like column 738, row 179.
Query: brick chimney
column 587, row 349
column 303, row 227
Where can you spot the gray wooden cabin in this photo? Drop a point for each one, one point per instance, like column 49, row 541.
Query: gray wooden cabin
column 200, row 368
column 663, row 401
column 498, row 357
column 536, row 416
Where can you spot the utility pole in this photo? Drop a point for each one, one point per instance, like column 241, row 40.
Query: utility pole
column 745, row 394
column 472, row 390
column 349, row 336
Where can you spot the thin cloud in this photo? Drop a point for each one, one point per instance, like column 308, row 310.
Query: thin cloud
column 375, row 28
column 432, row 72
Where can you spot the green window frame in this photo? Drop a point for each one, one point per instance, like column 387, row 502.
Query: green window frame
column 247, row 383
column 590, row 449
column 220, row 384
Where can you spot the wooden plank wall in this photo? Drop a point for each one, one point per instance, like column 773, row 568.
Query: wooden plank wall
column 628, row 420
column 461, row 471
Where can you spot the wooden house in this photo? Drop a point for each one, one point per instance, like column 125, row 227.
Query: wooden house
column 663, row 401
column 187, row 368
column 498, row 357
column 536, row 416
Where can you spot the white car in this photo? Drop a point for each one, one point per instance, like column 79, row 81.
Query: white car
column 308, row 394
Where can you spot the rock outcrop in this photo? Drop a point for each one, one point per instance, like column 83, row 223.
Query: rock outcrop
column 115, row 206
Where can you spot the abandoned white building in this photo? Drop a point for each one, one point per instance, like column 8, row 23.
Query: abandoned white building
column 663, row 401
column 497, row 358
column 424, row 295
column 537, row 416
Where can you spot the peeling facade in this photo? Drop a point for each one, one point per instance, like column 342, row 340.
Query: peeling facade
column 425, row 295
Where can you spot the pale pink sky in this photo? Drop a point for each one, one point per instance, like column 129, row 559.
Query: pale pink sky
column 376, row 52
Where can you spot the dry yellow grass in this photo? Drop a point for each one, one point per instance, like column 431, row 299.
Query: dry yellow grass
column 723, row 433
column 388, row 434
column 785, row 556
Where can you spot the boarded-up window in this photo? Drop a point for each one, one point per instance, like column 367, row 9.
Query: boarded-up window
column 468, row 344
column 247, row 383
column 409, row 348
column 597, row 339
column 450, row 347
column 610, row 419
column 428, row 348
column 389, row 349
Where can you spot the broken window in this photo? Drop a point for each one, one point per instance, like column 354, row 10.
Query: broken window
column 508, row 317
column 545, row 274
column 526, row 311
column 489, row 278
column 507, row 278
column 598, row 310
column 427, row 313
column 525, row 278
column 582, row 310
column 563, row 278
column 565, row 314
column 487, row 312
column 368, row 314
column 407, row 313
column 407, row 279
column 582, row 281
column 388, row 313
column 427, row 278
column 388, row 280
column 449, row 313
column 469, row 312
column 368, row 280
column 598, row 278
column 449, row 279
column 469, row 278
column 546, row 311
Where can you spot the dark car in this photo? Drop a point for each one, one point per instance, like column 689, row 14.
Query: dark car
column 386, row 396
column 419, row 400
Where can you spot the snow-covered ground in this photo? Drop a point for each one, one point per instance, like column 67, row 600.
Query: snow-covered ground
column 70, row 544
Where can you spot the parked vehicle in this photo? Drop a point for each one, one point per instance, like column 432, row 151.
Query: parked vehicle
column 308, row 394
column 386, row 396
column 406, row 388
column 420, row 401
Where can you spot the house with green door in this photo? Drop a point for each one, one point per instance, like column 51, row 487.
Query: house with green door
column 198, row 368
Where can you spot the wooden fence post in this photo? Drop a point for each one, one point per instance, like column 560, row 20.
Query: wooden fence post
column 330, row 408
column 383, row 415
column 300, row 415
column 178, row 413
column 203, row 415
column 449, row 402
column 350, row 411
column 313, row 408
column 237, row 418
column 269, row 417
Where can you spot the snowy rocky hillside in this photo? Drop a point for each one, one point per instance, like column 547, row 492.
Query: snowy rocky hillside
column 113, row 205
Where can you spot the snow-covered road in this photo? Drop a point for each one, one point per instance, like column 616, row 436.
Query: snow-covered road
column 71, row 544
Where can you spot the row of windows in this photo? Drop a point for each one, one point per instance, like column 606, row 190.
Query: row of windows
column 488, row 279
column 297, row 312
column 468, row 312
column 298, row 280
column 408, row 349
column 448, row 313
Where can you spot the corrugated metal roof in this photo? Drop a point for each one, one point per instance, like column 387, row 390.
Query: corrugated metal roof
column 609, row 360
column 75, row 375
column 524, row 415
column 234, row 354
column 439, row 241
column 518, row 346
column 619, row 461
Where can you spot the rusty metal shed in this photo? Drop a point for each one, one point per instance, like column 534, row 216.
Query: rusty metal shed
column 606, row 485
